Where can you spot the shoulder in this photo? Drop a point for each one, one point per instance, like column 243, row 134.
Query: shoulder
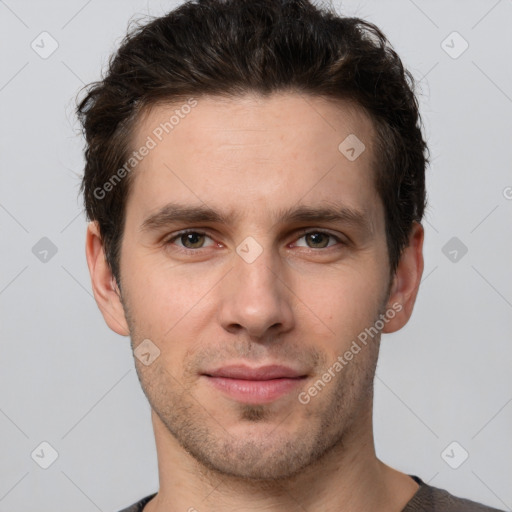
column 139, row 506
column 433, row 499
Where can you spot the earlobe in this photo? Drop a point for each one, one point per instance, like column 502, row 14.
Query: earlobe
column 406, row 281
column 104, row 286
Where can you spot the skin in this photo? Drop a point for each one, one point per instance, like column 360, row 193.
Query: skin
column 300, row 303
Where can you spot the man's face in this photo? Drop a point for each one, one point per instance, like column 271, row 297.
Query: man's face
column 256, row 287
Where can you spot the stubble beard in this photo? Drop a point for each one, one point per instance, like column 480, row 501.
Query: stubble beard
column 328, row 425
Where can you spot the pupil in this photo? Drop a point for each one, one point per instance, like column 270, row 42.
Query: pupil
column 192, row 239
column 316, row 238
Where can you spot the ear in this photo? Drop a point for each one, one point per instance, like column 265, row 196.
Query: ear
column 406, row 281
column 104, row 286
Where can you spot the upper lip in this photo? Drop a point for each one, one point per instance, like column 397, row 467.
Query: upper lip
column 260, row 373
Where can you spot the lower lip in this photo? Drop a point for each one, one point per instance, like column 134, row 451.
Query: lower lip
column 255, row 391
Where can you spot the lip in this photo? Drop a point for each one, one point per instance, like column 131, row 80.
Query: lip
column 260, row 385
column 244, row 372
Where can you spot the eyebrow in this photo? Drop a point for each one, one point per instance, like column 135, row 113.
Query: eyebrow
column 174, row 212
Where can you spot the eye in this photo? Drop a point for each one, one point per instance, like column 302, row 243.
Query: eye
column 190, row 240
column 318, row 240
column 193, row 240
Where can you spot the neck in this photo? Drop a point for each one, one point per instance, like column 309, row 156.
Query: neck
column 348, row 478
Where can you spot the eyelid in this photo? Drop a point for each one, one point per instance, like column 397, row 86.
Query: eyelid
column 307, row 231
column 178, row 234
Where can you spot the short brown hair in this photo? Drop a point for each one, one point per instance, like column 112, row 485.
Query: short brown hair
column 231, row 47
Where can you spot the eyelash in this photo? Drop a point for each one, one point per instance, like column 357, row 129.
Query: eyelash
column 178, row 235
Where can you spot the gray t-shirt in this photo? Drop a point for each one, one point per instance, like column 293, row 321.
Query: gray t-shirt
column 426, row 499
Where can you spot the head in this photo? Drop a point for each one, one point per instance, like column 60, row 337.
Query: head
column 287, row 140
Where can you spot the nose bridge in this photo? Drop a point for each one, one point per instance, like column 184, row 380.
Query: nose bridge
column 258, row 276
column 254, row 298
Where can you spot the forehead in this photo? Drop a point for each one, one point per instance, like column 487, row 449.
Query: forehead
column 280, row 119
column 255, row 151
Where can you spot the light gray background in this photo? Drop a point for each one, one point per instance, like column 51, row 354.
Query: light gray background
column 65, row 378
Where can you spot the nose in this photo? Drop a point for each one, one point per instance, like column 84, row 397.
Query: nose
column 255, row 298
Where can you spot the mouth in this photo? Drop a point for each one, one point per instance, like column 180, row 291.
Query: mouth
column 260, row 385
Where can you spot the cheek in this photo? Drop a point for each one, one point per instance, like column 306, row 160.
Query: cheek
column 166, row 298
column 337, row 306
